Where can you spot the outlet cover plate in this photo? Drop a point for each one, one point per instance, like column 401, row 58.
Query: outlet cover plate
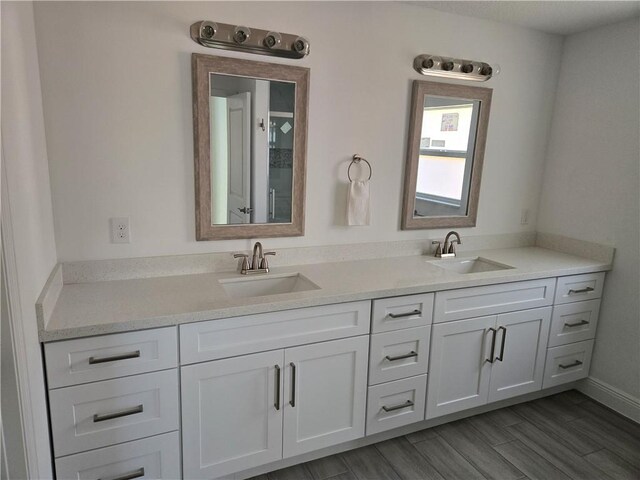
column 120, row 230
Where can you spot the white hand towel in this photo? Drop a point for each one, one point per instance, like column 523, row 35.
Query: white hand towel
column 358, row 203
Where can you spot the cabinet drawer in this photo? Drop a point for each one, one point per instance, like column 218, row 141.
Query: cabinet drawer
column 579, row 287
column 574, row 322
column 152, row 458
column 493, row 299
column 567, row 363
column 267, row 331
column 395, row 404
column 402, row 312
column 98, row 414
column 84, row 360
column 399, row 354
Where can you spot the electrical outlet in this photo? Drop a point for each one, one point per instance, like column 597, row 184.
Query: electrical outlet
column 120, row 230
column 524, row 217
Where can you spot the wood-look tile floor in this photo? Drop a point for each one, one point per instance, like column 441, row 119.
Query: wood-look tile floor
column 565, row 436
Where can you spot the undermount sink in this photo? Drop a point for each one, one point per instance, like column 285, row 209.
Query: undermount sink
column 470, row 265
column 268, row 284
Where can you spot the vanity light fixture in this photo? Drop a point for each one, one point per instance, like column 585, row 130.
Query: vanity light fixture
column 427, row 64
column 250, row 40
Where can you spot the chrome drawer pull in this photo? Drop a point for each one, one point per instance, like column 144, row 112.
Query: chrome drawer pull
column 408, row 314
column 581, row 290
column 408, row 403
column 577, row 324
column 401, row 357
column 504, row 338
column 122, row 413
column 574, row 364
column 491, row 358
column 277, row 403
column 292, row 402
column 127, row 476
column 114, row 358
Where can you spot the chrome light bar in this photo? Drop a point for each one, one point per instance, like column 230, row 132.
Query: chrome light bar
column 250, row 40
column 437, row 66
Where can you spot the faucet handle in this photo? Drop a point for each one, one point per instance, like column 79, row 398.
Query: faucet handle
column 263, row 263
column 439, row 249
column 245, row 261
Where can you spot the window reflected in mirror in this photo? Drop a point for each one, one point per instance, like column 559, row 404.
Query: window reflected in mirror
column 446, row 156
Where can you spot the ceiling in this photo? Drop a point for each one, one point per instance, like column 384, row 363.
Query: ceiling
column 559, row 17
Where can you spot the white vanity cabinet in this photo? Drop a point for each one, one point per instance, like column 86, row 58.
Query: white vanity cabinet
column 573, row 328
column 242, row 412
column 307, row 391
column 114, row 405
column 232, row 414
column 487, row 358
column 398, row 361
column 236, row 393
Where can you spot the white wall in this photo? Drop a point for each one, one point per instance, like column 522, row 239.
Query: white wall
column 116, row 84
column 592, row 181
column 25, row 158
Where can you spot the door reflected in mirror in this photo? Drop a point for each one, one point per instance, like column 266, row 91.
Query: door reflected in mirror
column 252, row 131
column 448, row 130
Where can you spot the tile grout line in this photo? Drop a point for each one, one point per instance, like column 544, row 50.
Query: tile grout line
column 482, row 436
column 413, row 445
column 459, row 453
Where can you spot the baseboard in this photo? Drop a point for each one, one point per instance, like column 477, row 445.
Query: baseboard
column 611, row 397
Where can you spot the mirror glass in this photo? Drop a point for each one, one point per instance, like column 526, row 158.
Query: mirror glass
column 447, row 141
column 448, row 128
column 252, row 144
column 250, row 147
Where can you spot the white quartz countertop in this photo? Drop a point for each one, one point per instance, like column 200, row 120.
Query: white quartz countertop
column 87, row 309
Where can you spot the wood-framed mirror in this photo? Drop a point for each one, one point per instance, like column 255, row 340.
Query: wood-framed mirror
column 445, row 152
column 250, row 147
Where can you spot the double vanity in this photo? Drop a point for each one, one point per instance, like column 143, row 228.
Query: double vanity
column 227, row 375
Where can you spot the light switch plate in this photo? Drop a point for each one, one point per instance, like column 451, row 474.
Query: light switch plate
column 120, row 230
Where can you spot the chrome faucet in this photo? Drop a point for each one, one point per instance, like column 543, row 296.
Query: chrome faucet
column 448, row 249
column 257, row 256
column 258, row 263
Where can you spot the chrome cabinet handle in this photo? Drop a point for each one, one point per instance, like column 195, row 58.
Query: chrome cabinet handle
column 277, row 403
column 504, row 338
column 493, row 345
column 272, row 203
column 408, row 314
column 114, row 358
column 128, row 476
column 292, row 402
column 401, row 357
column 408, row 403
column 122, row 413
column 574, row 364
column 581, row 290
column 577, row 324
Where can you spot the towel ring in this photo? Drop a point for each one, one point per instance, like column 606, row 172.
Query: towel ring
column 357, row 159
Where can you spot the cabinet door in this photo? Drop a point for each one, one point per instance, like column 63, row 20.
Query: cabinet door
column 521, row 347
column 325, row 394
column 231, row 419
column 459, row 370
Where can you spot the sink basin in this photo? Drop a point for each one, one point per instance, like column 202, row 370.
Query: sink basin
column 470, row 265
column 267, row 284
